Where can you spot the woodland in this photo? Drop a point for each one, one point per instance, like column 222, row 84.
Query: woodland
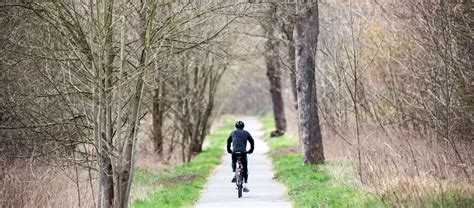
column 92, row 91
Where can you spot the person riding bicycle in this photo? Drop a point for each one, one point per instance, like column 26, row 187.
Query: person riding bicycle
column 238, row 138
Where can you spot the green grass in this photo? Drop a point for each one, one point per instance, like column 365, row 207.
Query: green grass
column 179, row 186
column 315, row 186
column 312, row 185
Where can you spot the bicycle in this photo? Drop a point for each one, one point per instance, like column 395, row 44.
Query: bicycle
column 239, row 178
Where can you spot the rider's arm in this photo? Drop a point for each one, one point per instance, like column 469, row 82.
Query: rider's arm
column 250, row 139
column 229, row 141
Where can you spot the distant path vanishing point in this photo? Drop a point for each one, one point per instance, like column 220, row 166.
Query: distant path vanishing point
column 264, row 191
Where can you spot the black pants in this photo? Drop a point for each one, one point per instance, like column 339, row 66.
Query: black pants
column 244, row 164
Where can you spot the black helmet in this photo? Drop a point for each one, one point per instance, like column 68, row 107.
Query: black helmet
column 239, row 125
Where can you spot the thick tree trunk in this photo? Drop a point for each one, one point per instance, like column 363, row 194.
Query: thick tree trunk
column 274, row 74
column 306, row 34
column 108, row 183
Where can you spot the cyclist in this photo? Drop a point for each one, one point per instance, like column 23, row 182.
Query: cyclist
column 238, row 138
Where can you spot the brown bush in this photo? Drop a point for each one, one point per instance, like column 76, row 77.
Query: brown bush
column 25, row 184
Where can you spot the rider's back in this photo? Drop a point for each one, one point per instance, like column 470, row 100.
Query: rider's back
column 239, row 140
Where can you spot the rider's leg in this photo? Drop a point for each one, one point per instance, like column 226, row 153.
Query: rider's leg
column 246, row 171
column 234, row 161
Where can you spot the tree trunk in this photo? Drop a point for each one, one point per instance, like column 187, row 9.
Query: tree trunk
column 129, row 154
column 130, row 143
column 274, row 73
column 291, row 57
column 108, row 183
column 274, row 76
column 157, row 122
column 119, row 139
column 306, row 34
column 108, row 95
column 288, row 31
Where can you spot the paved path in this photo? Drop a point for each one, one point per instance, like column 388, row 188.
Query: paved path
column 264, row 191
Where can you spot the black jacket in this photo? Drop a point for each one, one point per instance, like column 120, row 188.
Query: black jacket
column 239, row 138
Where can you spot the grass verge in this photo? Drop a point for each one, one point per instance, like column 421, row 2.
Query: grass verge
column 179, row 186
column 333, row 184
column 313, row 185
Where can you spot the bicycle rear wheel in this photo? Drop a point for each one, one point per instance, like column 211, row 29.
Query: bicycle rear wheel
column 240, row 191
column 239, row 178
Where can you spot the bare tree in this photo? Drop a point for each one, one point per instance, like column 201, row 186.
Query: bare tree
column 287, row 28
column 274, row 71
column 108, row 49
column 306, row 23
